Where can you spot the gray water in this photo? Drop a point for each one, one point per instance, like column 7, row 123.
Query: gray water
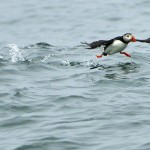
column 55, row 94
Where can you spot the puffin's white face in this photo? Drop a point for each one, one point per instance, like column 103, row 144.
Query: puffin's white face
column 128, row 37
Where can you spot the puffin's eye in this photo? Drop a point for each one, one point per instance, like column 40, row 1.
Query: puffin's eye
column 127, row 35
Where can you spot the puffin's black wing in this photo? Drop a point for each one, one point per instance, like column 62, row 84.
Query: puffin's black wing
column 99, row 43
column 145, row 41
column 94, row 44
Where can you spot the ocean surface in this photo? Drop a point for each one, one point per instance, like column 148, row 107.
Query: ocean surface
column 55, row 94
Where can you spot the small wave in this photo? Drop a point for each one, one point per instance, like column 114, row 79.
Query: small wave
column 40, row 45
column 126, row 67
column 43, row 44
column 15, row 53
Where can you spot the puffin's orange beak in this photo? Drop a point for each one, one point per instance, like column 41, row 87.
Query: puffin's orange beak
column 133, row 39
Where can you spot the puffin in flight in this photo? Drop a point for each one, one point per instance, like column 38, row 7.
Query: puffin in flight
column 115, row 45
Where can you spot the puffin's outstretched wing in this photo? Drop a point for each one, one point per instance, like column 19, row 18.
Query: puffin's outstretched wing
column 145, row 41
column 99, row 43
column 94, row 44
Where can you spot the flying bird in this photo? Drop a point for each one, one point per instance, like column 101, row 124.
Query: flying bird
column 115, row 45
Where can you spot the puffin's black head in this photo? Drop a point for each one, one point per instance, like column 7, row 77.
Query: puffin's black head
column 128, row 37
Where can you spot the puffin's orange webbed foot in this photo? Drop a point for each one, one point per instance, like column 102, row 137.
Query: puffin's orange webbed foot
column 126, row 54
column 99, row 56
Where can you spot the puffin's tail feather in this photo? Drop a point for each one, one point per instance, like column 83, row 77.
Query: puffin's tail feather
column 94, row 44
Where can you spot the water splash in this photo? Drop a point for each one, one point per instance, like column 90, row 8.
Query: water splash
column 15, row 53
column 65, row 63
column 46, row 57
column 1, row 57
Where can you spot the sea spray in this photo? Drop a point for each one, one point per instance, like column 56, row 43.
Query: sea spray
column 15, row 53
column 1, row 57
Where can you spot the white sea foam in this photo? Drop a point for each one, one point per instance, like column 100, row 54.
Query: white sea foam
column 45, row 58
column 15, row 53
column 1, row 57
column 65, row 62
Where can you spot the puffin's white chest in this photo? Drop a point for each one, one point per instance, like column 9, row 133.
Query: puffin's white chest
column 115, row 47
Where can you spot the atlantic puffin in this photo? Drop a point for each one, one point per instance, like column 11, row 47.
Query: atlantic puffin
column 115, row 45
